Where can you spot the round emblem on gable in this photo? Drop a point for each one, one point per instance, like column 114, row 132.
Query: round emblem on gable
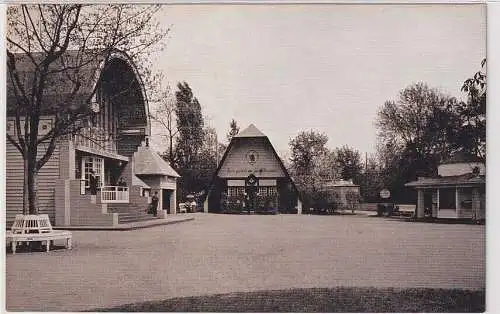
column 385, row 193
column 252, row 157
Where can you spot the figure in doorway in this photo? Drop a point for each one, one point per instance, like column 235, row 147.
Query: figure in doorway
column 153, row 207
column 93, row 183
column 121, row 184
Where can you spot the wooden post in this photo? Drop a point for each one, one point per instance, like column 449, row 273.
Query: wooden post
column 420, row 203
column 476, row 203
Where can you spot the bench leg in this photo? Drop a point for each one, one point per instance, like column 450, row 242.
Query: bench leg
column 68, row 243
column 13, row 244
column 48, row 245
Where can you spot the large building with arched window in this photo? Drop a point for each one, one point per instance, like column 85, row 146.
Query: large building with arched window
column 113, row 144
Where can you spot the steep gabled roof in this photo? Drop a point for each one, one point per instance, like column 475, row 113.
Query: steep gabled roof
column 251, row 132
column 148, row 162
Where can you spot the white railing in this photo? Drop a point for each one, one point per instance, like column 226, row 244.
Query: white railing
column 96, row 139
column 114, row 194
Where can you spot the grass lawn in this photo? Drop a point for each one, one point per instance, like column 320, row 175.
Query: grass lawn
column 321, row 300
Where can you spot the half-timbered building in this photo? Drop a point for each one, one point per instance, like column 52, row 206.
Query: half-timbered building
column 113, row 144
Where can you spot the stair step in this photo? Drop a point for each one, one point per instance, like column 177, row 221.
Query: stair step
column 134, row 216
column 122, row 220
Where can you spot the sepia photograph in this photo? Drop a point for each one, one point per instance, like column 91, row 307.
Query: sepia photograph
column 245, row 157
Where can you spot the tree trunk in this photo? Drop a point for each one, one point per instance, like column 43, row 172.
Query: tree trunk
column 25, row 188
column 171, row 150
column 32, row 187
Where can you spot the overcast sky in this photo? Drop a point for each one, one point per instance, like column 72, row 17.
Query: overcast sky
column 287, row 68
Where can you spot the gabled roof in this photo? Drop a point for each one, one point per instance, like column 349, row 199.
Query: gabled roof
column 250, row 131
column 461, row 180
column 148, row 162
column 139, row 182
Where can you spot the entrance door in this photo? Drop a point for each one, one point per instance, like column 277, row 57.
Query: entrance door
column 251, row 188
column 165, row 203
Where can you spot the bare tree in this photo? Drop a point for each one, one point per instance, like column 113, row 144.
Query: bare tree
column 164, row 114
column 55, row 54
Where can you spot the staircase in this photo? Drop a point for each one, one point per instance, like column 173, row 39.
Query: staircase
column 128, row 213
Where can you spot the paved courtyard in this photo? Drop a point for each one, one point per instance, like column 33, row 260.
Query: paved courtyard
column 226, row 253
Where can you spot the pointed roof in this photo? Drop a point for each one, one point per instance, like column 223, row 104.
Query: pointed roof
column 148, row 162
column 250, row 131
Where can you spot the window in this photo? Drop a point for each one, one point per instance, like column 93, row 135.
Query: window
column 267, row 191
column 447, row 198
column 465, row 198
column 233, row 191
column 96, row 164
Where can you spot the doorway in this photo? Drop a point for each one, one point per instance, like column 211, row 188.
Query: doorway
column 251, row 189
column 165, row 197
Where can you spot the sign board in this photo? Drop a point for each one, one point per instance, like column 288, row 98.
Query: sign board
column 385, row 193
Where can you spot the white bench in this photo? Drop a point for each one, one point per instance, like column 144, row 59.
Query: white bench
column 35, row 228
column 46, row 237
column 182, row 208
column 407, row 208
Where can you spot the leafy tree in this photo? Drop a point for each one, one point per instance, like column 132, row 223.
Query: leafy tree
column 233, row 130
column 471, row 131
column 422, row 118
column 348, row 161
column 311, row 165
column 353, row 198
column 190, row 126
column 306, row 148
column 40, row 39
column 372, row 181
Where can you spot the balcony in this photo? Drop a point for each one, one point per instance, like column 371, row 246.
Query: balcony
column 114, row 194
column 96, row 139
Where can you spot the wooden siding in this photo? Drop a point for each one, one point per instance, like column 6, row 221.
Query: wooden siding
column 127, row 144
column 14, row 184
column 236, row 164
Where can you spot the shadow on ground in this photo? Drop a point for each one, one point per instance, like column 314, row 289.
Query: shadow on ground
column 34, row 247
column 321, row 300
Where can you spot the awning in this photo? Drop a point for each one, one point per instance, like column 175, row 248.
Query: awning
column 102, row 153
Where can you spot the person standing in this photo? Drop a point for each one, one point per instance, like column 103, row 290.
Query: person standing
column 153, row 209
column 93, row 183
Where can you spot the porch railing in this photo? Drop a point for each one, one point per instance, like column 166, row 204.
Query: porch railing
column 114, row 194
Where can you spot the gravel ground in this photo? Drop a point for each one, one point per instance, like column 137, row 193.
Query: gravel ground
column 238, row 253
